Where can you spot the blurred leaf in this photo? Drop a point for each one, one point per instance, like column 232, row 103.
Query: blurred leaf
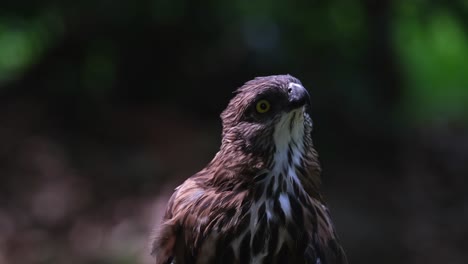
column 168, row 11
column 99, row 69
column 434, row 53
column 23, row 41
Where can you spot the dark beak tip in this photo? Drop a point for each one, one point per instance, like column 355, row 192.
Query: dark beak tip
column 298, row 97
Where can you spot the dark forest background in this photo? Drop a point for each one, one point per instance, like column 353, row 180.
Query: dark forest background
column 106, row 106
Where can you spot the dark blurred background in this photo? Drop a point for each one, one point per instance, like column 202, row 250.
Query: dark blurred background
column 106, row 106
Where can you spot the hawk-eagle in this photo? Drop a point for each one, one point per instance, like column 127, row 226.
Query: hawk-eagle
column 258, row 200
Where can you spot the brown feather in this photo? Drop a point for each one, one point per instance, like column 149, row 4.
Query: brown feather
column 244, row 205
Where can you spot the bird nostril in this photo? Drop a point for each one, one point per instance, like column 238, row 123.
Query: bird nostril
column 289, row 90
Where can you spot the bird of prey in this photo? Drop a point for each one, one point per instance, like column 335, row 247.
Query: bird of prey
column 258, row 200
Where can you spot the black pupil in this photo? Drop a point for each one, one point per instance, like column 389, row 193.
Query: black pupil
column 263, row 106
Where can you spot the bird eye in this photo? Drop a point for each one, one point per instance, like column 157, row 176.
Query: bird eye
column 263, row 106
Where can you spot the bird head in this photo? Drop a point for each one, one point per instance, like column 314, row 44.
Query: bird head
column 266, row 115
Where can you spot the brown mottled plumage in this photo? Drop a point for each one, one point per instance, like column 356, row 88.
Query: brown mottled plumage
column 258, row 200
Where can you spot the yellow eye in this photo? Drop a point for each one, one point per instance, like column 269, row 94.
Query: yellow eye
column 263, row 106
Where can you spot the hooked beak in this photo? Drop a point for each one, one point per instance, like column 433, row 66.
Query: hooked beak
column 298, row 96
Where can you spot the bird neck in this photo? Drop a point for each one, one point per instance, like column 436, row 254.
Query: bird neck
column 292, row 169
column 233, row 165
